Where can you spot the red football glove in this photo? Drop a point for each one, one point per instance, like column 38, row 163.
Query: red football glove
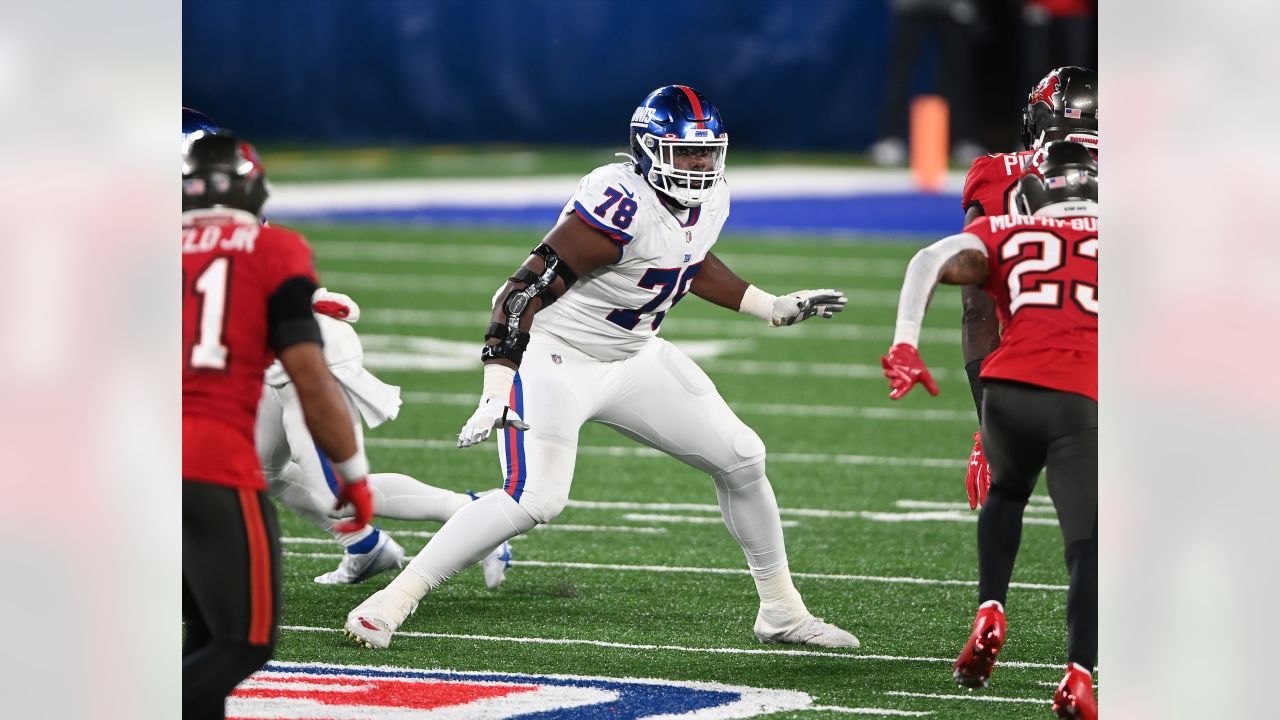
column 332, row 309
column 978, row 480
column 355, row 493
column 904, row 368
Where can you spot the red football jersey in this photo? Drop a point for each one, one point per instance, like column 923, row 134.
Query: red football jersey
column 1043, row 274
column 992, row 180
column 231, row 266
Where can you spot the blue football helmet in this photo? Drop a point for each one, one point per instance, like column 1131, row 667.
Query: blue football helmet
column 194, row 120
column 679, row 142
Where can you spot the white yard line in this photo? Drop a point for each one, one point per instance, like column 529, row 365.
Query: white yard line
column 959, row 506
column 975, row 697
column 644, row 452
column 726, row 571
column 353, row 282
column 416, row 360
column 602, row 528
column 675, row 648
column 853, row 371
column 553, row 527
column 882, row 712
column 730, row 326
column 964, row 514
column 513, row 256
column 687, row 519
column 790, row 410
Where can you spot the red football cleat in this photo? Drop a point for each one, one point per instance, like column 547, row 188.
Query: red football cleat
column 977, row 660
column 1074, row 699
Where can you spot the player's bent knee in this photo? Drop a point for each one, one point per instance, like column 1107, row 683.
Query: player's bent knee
column 543, row 508
column 747, row 465
column 745, row 462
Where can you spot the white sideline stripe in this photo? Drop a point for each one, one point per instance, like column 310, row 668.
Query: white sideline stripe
column 770, row 182
column 690, row 519
column 848, row 411
column 725, row 571
column 884, row 712
column 675, row 648
column 623, row 451
column 975, row 697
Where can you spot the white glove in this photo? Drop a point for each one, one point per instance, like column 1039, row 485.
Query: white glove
column 803, row 304
column 492, row 413
column 339, row 302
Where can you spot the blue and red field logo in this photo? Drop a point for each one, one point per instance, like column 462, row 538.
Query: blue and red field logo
column 353, row 692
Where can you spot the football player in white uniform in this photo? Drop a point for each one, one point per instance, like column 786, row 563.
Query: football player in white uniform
column 633, row 240
column 300, row 476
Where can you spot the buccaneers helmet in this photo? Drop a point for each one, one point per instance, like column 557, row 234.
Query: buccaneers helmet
column 1062, row 106
column 1068, row 174
column 220, row 170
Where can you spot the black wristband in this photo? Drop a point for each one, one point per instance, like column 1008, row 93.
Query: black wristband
column 974, row 370
column 507, row 349
column 496, row 330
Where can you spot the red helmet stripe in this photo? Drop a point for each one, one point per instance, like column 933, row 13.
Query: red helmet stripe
column 697, row 106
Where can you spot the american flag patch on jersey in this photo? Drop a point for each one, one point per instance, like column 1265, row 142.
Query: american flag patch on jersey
column 1072, row 113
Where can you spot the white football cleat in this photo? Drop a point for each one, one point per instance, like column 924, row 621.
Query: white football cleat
column 495, row 565
column 375, row 620
column 369, row 631
column 806, row 630
column 358, row 567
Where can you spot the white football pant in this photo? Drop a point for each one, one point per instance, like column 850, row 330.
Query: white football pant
column 659, row 397
column 300, row 477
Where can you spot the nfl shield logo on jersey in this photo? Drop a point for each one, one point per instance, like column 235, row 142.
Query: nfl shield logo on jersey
column 556, row 359
column 312, row 690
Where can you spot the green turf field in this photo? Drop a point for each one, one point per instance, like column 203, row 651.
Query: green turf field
column 895, row 563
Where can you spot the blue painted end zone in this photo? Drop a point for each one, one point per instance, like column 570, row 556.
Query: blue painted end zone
column 934, row 215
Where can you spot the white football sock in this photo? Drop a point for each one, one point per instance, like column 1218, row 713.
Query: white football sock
column 352, row 538
column 400, row 497
column 750, row 511
column 467, row 537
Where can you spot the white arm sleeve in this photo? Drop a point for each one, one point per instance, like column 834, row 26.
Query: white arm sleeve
column 922, row 278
